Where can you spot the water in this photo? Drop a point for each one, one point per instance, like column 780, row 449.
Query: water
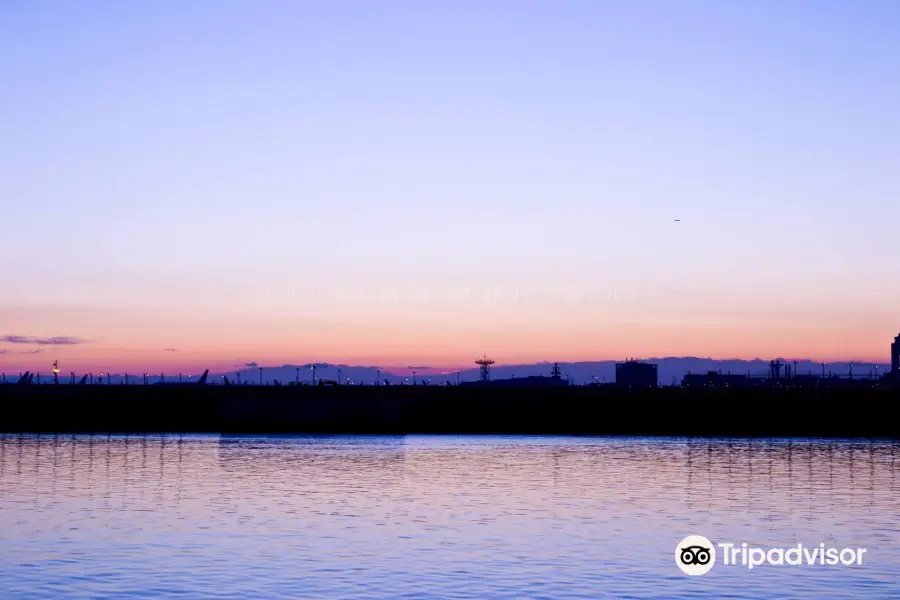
column 436, row 517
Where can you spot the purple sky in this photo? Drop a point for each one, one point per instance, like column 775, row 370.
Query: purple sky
column 428, row 181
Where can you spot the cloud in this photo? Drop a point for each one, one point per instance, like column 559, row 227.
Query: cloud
column 60, row 340
column 251, row 364
column 35, row 351
column 170, row 350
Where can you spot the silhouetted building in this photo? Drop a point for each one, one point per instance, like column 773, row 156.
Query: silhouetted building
column 895, row 357
column 532, row 381
column 714, row 379
column 555, row 380
column 634, row 374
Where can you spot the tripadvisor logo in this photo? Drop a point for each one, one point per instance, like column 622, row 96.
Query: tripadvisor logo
column 696, row 555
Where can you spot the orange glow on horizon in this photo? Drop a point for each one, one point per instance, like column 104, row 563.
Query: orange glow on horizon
column 167, row 341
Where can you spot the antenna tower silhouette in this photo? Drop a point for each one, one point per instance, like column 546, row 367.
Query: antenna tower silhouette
column 485, row 364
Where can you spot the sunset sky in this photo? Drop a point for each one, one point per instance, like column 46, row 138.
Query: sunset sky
column 207, row 183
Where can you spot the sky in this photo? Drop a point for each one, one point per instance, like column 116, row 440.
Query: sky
column 204, row 184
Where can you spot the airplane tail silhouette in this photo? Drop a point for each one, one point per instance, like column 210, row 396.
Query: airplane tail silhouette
column 25, row 379
column 202, row 380
column 83, row 380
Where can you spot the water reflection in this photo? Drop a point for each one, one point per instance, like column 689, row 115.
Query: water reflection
column 352, row 517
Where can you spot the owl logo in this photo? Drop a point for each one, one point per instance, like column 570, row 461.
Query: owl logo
column 695, row 555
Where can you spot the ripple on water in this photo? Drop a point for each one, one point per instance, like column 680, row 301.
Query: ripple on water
column 434, row 517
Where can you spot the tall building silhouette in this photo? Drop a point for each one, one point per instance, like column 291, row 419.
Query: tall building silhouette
column 634, row 374
column 895, row 357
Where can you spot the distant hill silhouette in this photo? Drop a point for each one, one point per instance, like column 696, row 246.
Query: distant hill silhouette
column 577, row 372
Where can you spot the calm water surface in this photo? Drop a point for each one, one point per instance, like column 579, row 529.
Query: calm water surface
column 436, row 517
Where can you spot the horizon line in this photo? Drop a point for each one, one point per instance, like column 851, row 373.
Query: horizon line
column 453, row 369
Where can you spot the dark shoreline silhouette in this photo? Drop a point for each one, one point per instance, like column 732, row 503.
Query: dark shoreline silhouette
column 571, row 410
